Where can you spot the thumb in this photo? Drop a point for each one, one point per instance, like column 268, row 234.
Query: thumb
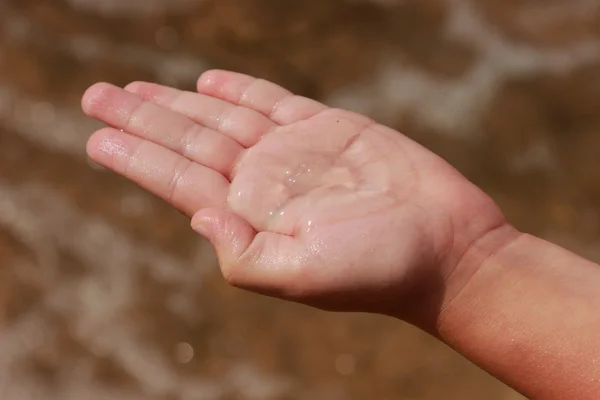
column 265, row 262
column 229, row 234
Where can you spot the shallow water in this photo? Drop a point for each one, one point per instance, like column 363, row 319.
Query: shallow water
column 106, row 293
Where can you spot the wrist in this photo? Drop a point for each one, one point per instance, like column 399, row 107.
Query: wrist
column 526, row 312
column 474, row 270
column 439, row 297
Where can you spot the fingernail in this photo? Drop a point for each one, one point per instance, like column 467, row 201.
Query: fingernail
column 202, row 228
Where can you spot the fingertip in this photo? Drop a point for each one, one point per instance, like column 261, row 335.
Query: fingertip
column 105, row 144
column 92, row 145
column 209, row 78
column 95, row 97
column 215, row 81
column 203, row 229
column 215, row 219
column 133, row 86
column 202, row 221
column 140, row 88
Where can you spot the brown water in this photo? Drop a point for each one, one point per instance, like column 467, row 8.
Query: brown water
column 104, row 291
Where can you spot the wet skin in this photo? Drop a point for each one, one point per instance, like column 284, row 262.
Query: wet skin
column 328, row 208
column 301, row 201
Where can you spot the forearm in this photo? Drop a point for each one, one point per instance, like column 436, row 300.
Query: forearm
column 529, row 315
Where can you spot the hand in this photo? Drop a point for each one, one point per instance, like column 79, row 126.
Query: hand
column 301, row 201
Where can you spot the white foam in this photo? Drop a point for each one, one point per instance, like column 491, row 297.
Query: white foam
column 455, row 106
column 96, row 304
column 134, row 7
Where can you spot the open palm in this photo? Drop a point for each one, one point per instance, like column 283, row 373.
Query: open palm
column 300, row 201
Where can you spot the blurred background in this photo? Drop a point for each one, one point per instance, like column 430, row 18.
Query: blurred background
column 106, row 293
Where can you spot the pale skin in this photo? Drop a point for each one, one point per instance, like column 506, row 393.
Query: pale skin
column 329, row 208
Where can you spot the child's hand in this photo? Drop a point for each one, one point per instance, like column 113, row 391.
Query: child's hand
column 324, row 207
column 328, row 208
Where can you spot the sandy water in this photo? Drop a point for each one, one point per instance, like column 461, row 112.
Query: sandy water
column 104, row 291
